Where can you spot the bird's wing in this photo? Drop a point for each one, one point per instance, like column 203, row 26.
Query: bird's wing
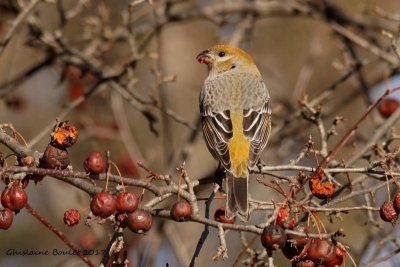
column 257, row 127
column 217, row 129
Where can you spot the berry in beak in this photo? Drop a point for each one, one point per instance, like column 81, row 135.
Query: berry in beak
column 204, row 57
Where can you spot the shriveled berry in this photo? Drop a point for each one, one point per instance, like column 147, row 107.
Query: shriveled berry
column 64, row 135
column 139, row 221
column 181, row 211
column 72, row 217
column 103, row 204
column 55, row 158
column 127, row 201
column 94, row 163
column 6, row 218
column 14, row 197
column 283, row 214
column 273, row 237
column 388, row 106
column 27, row 161
column 220, row 216
column 321, row 190
column 388, row 212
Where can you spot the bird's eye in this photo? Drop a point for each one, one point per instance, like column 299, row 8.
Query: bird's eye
column 221, row 54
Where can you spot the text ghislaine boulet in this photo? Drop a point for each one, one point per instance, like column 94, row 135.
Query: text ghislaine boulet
column 52, row 252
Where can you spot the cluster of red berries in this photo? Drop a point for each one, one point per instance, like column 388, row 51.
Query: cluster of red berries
column 55, row 156
column 13, row 199
column 390, row 210
column 300, row 249
column 125, row 207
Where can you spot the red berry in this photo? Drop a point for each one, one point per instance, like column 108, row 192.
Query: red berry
column 72, row 217
column 55, row 158
column 388, row 212
column 6, row 218
column 396, row 203
column 282, row 216
column 127, row 201
column 103, row 204
column 181, row 211
column 295, row 244
column 140, row 221
column 387, row 107
column 325, row 253
column 335, row 258
column 319, row 249
column 299, row 241
column 94, row 163
column 290, row 251
column 14, row 197
column 273, row 237
column 220, row 216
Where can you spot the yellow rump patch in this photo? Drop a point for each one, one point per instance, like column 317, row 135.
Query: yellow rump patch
column 239, row 146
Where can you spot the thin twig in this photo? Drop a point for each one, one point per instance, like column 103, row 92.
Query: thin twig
column 59, row 233
column 17, row 23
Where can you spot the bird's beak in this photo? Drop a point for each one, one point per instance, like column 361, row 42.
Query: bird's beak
column 204, row 57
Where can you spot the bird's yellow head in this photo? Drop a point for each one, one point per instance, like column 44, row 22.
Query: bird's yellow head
column 222, row 58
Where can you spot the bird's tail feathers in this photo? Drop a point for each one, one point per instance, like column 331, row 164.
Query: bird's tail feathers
column 237, row 196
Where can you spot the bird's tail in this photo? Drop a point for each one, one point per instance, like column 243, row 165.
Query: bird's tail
column 237, row 199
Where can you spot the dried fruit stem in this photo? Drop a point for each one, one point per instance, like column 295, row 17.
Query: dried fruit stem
column 222, row 249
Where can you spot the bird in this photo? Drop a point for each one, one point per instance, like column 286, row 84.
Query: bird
column 235, row 112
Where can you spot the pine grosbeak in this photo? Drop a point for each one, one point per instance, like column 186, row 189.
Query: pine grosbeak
column 236, row 118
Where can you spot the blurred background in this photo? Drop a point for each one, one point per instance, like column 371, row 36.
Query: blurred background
column 124, row 72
